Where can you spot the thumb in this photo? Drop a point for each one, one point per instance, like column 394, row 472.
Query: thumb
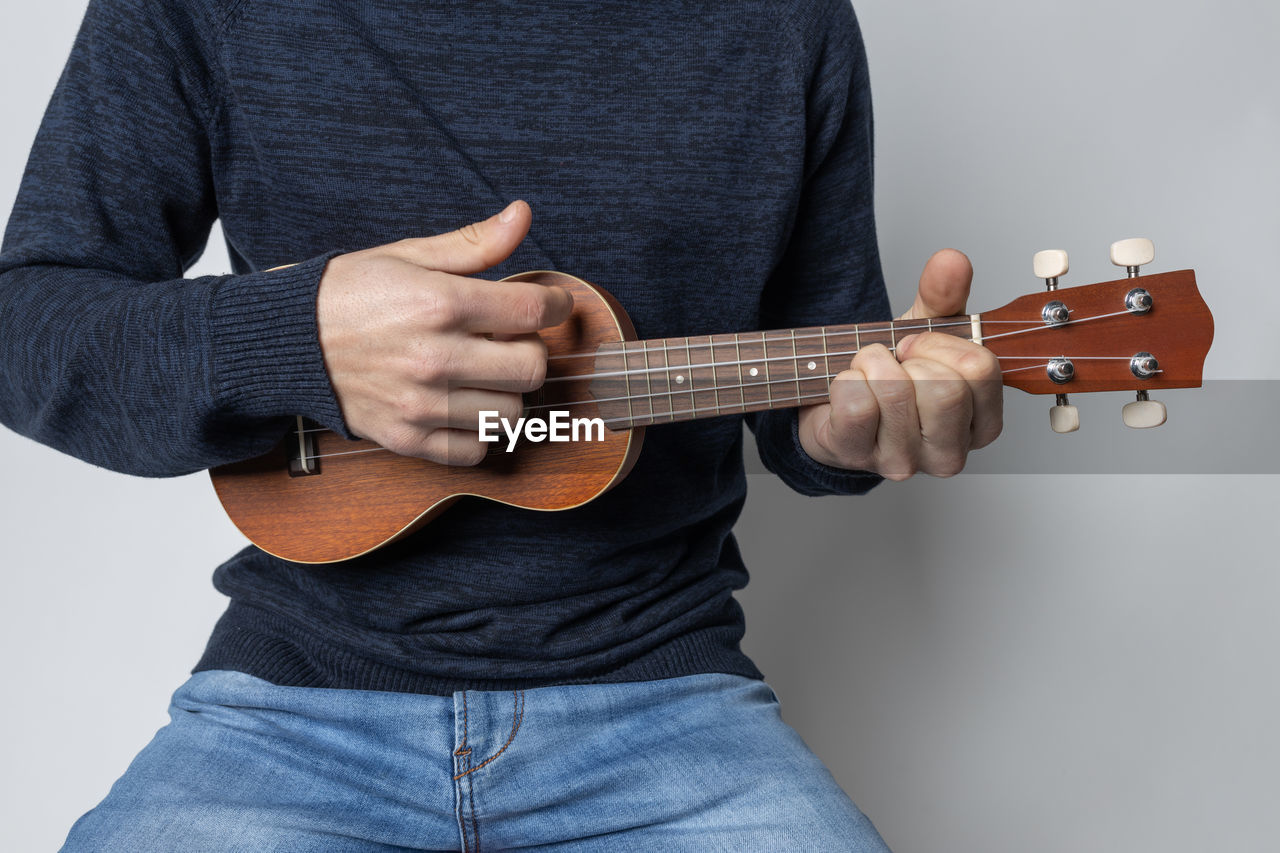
column 944, row 286
column 472, row 248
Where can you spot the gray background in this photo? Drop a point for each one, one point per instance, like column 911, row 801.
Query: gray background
column 996, row 662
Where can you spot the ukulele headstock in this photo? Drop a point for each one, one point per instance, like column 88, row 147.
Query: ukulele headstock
column 1141, row 333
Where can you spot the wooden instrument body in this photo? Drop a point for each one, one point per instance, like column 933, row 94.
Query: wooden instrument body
column 359, row 501
column 353, row 497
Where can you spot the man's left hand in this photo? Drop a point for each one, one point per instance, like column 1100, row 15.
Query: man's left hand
column 922, row 408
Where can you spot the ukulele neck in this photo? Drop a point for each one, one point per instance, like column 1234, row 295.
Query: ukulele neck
column 664, row 380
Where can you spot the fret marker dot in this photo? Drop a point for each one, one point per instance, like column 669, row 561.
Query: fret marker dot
column 755, row 372
column 679, row 380
column 812, row 365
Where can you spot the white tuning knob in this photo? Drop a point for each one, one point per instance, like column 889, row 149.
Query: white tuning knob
column 1132, row 253
column 1050, row 265
column 1144, row 413
column 1064, row 417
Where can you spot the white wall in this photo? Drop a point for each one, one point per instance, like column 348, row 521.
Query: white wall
column 997, row 662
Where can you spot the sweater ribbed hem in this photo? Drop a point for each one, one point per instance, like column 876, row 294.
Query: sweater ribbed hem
column 253, row 641
column 267, row 346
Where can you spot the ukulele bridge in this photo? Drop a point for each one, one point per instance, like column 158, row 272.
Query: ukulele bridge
column 303, row 461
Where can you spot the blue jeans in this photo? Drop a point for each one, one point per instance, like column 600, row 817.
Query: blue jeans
column 702, row 762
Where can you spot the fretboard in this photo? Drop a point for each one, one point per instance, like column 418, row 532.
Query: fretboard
column 639, row 383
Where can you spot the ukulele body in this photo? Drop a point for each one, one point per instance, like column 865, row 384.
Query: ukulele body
column 360, row 497
column 318, row 498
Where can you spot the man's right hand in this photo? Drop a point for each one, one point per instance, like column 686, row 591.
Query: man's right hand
column 415, row 349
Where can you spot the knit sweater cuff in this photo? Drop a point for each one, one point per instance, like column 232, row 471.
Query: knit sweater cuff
column 267, row 359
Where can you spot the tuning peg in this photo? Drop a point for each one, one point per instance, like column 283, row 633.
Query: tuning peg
column 1050, row 265
column 1132, row 253
column 1064, row 417
column 1144, row 412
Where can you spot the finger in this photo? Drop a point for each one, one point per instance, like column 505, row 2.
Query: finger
column 516, row 366
column 454, row 447
column 944, row 286
column 980, row 369
column 472, row 248
column 944, row 403
column 898, row 430
column 466, row 408
column 504, row 307
column 849, row 432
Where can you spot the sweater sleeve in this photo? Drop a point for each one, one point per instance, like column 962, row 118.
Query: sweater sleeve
column 106, row 351
column 830, row 271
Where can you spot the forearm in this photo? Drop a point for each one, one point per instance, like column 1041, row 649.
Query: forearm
column 159, row 378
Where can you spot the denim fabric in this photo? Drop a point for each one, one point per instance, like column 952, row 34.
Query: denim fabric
column 701, row 762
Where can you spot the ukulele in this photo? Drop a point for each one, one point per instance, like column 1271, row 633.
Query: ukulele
column 320, row 498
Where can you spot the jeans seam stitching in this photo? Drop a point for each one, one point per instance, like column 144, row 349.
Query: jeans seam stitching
column 463, row 753
column 517, row 718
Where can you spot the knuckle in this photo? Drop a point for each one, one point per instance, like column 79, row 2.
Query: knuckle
column 431, row 368
column 511, row 408
column 531, row 308
column 403, row 440
column 858, row 410
column 946, row 394
column 438, row 306
column 895, row 394
column 532, row 371
column 470, row 233
column 977, row 363
column 410, row 407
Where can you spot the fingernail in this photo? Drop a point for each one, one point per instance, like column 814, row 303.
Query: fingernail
column 507, row 215
column 905, row 344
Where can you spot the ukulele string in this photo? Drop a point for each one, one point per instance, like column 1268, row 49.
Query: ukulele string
column 864, row 329
column 805, row 336
column 659, row 417
column 671, row 391
column 665, row 348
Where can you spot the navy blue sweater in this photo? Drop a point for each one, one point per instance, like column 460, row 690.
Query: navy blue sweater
column 709, row 164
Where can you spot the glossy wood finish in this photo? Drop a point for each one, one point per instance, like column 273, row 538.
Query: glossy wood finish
column 1177, row 331
column 360, row 501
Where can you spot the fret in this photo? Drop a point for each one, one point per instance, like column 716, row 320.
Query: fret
column 768, row 377
column 702, row 380
column 688, row 359
column 874, row 333
column 666, row 361
column 683, row 405
column 742, row 391
column 796, row 356
column 626, row 367
column 812, row 384
column 826, row 359
column 639, row 403
column 727, row 372
column 715, row 380
column 648, row 382
column 609, row 387
column 754, row 389
column 893, row 342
